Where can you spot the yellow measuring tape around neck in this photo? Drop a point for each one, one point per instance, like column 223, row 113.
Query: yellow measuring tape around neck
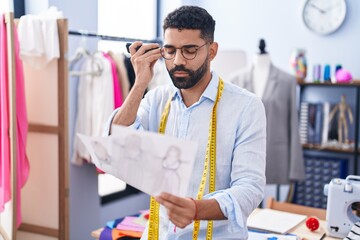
column 210, row 159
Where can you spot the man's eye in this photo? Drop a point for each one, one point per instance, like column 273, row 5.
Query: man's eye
column 189, row 50
column 170, row 50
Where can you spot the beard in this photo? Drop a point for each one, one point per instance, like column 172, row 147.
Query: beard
column 193, row 78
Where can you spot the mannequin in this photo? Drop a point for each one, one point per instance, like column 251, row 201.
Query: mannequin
column 277, row 90
column 261, row 64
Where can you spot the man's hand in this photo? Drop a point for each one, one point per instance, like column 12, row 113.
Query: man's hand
column 181, row 211
column 143, row 62
column 143, row 59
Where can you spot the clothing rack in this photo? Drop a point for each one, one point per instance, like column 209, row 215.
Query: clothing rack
column 112, row 38
column 59, row 130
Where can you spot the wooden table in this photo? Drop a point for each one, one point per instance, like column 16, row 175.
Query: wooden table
column 301, row 230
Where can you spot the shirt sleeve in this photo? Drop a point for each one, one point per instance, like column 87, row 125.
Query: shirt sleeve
column 247, row 184
column 107, row 128
column 142, row 117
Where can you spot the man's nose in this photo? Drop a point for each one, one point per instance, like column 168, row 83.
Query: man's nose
column 179, row 58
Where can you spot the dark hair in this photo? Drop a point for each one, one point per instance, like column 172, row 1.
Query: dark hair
column 191, row 17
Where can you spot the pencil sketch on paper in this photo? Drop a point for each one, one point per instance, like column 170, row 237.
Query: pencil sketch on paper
column 130, row 150
column 151, row 162
column 102, row 155
column 171, row 163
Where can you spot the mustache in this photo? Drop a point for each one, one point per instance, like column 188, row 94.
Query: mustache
column 180, row 68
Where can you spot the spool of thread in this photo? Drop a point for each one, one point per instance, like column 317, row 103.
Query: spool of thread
column 317, row 73
column 337, row 67
column 327, row 77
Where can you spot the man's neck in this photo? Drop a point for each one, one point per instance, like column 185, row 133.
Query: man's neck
column 192, row 95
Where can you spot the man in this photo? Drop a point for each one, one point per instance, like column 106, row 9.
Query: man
column 197, row 98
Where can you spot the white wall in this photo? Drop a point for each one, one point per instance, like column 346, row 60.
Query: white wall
column 241, row 23
column 6, row 6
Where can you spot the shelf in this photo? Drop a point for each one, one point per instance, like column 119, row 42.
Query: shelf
column 330, row 149
column 355, row 83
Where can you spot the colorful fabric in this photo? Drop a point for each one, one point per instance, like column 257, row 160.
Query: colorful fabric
column 117, row 89
column 22, row 162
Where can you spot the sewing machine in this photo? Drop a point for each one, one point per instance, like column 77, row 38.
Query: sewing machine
column 342, row 213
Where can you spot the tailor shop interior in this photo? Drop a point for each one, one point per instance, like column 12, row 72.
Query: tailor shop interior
column 65, row 68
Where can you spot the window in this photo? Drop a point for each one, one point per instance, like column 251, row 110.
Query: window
column 135, row 19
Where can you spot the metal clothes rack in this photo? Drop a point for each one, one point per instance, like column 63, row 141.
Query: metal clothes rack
column 111, row 38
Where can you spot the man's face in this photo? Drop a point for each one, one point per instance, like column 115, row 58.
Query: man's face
column 183, row 72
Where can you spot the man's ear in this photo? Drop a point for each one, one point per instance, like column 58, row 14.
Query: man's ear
column 213, row 50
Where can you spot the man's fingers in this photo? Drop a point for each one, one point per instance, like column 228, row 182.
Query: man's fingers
column 172, row 198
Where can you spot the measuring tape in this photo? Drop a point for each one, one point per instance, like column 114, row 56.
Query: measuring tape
column 210, row 159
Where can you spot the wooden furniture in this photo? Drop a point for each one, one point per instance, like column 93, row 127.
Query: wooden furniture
column 48, row 148
column 324, row 157
column 302, row 231
column 45, row 196
column 295, row 208
column 9, row 21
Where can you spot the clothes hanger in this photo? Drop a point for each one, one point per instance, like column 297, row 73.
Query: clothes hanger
column 81, row 52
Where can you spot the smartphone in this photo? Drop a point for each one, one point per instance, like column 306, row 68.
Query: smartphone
column 128, row 46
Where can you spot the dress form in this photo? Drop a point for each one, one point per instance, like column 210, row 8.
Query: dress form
column 261, row 68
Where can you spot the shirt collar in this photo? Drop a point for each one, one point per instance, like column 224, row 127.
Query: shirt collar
column 210, row 91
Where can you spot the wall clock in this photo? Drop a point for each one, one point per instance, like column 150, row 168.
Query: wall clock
column 324, row 16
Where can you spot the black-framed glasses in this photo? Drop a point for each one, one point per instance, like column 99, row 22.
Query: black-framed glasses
column 189, row 52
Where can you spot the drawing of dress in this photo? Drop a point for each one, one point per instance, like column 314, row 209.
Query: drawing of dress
column 131, row 153
column 103, row 156
column 171, row 163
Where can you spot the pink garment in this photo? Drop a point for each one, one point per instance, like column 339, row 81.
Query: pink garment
column 23, row 167
column 4, row 121
column 117, row 90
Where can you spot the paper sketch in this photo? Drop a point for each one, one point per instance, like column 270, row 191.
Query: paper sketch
column 171, row 163
column 151, row 162
column 102, row 154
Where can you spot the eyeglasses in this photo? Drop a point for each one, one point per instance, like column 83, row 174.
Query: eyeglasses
column 188, row 52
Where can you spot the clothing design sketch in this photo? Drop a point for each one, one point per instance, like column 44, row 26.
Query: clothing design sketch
column 143, row 159
column 170, row 164
column 131, row 151
column 103, row 156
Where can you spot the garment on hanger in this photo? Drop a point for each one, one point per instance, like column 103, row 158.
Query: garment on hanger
column 95, row 102
column 161, row 75
column 118, row 99
column 284, row 156
column 121, row 72
column 22, row 163
column 95, row 76
column 39, row 37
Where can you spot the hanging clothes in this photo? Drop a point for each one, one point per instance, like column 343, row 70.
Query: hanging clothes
column 119, row 59
column 284, row 155
column 22, row 163
column 102, row 82
column 116, row 85
column 95, row 102
column 39, row 37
